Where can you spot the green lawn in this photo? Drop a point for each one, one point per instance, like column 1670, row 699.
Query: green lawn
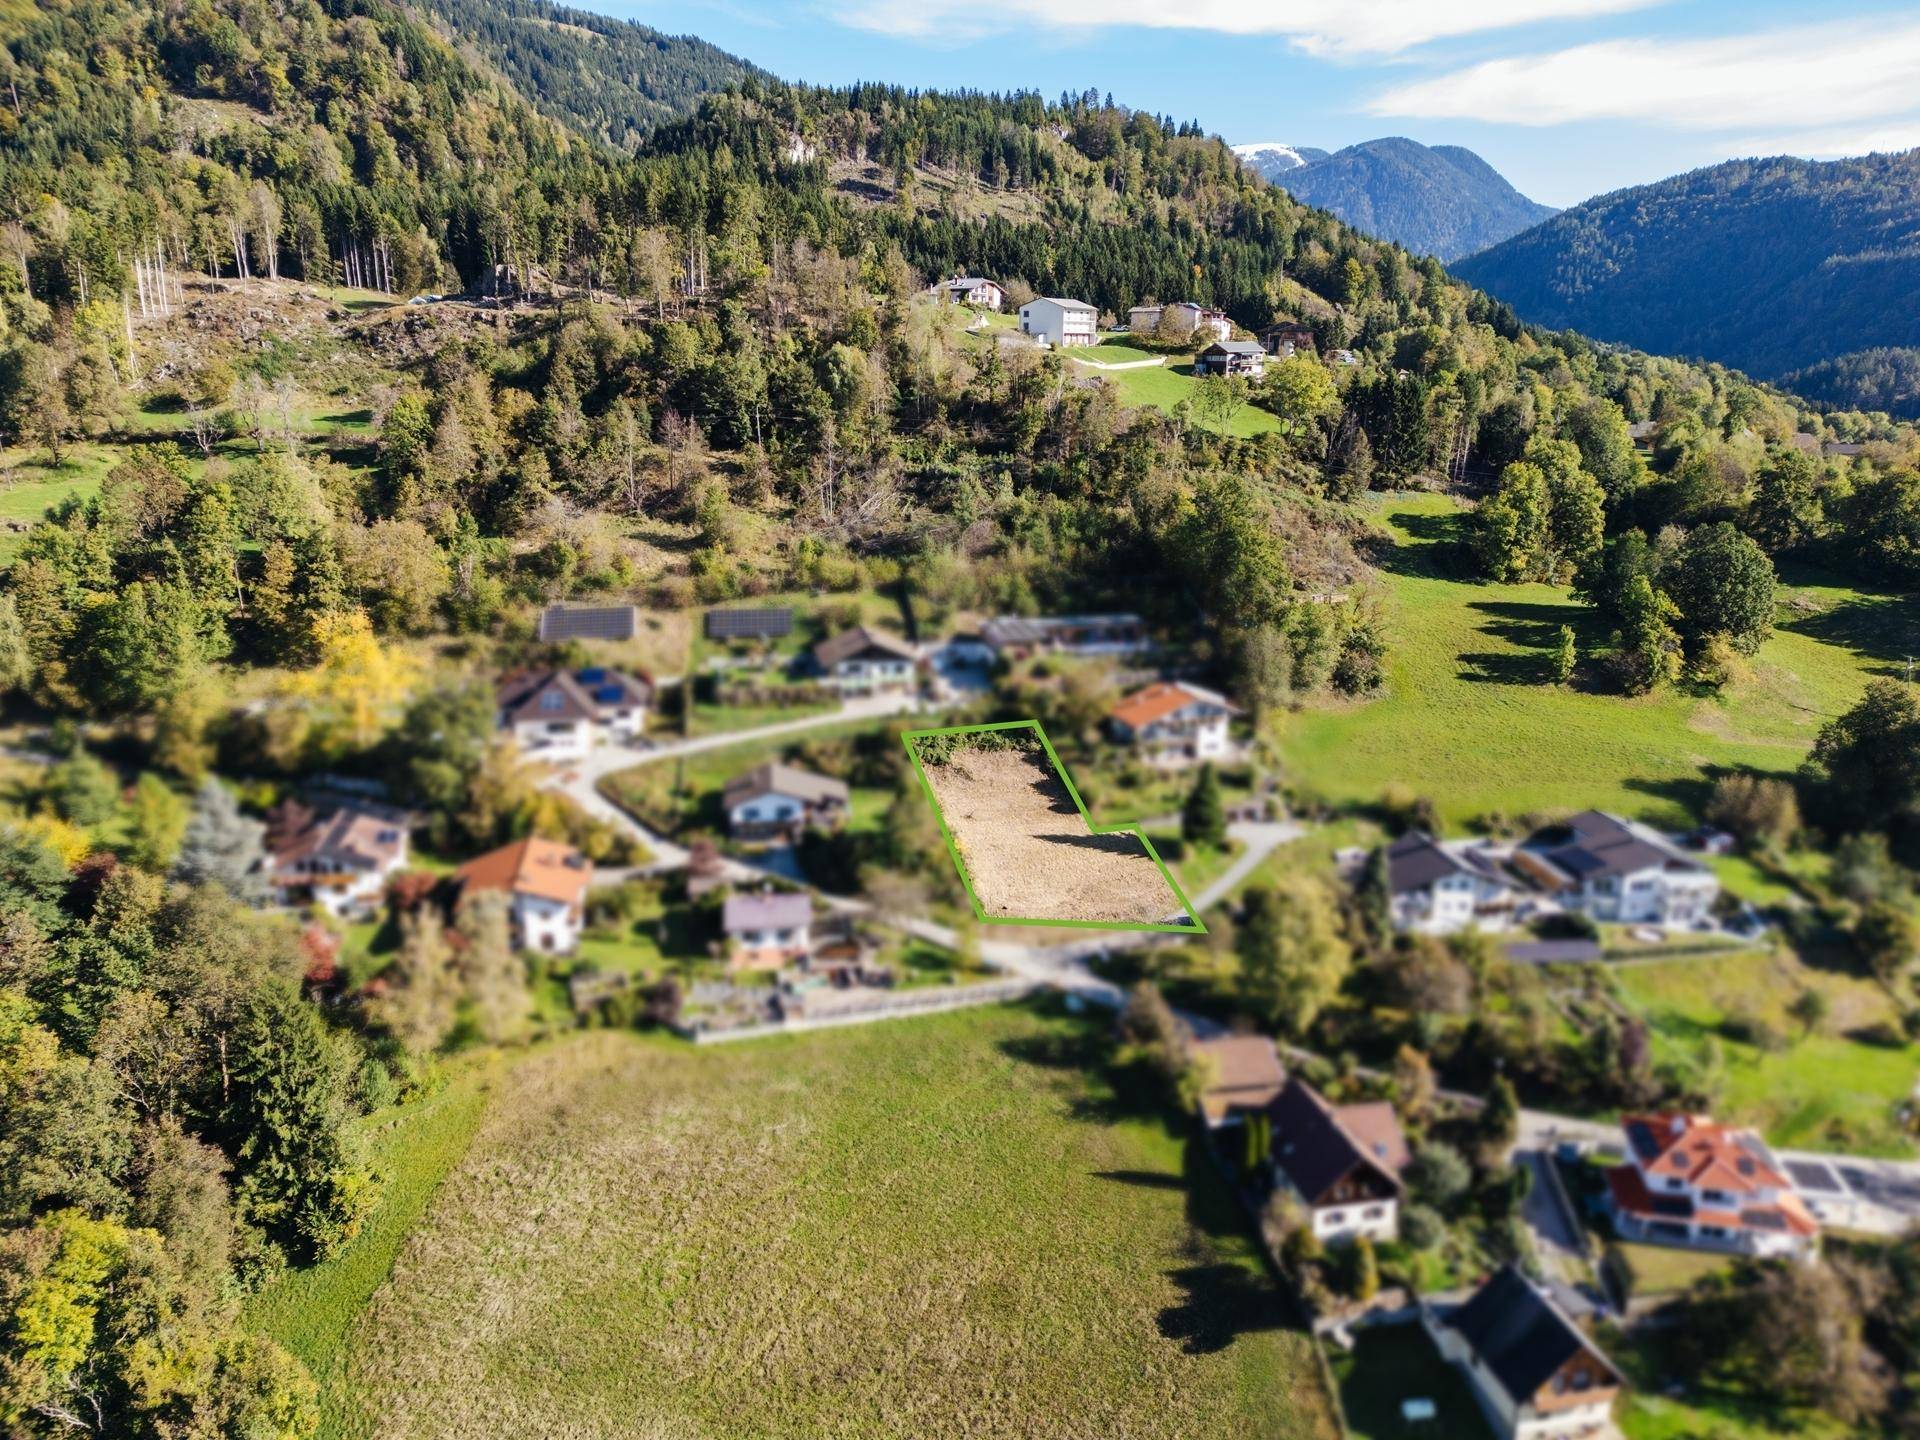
column 1662, row 1269
column 411, row 1148
column 1163, row 387
column 1471, row 719
column 30, row 485
column 938, row 1227
column 1390, row 1364
column 1822, row 1092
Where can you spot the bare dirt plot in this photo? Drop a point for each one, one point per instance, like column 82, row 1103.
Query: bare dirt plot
column 1028, row 849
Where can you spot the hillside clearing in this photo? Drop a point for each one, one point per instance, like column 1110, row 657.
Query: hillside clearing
column 936, row 1228
column 1472, row 720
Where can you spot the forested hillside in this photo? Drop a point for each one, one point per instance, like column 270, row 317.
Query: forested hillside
column 613, row 79
column 1768, row 265
column 293, row 531
column 1440, row 200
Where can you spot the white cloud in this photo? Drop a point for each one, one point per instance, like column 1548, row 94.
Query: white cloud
column 1784, row 82
column 1323, row 27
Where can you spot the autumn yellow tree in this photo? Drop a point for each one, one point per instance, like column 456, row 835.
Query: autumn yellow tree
column 348, row 700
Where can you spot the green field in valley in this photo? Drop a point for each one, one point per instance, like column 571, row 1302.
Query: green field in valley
column 938, row 1228
column 1163, row 387
column 1472, row 720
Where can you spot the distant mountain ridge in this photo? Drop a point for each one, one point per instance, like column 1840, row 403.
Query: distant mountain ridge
column 1773, row 266
column 1440, row 200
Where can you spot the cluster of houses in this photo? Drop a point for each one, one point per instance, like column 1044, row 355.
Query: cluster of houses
column 1534, row 1372
column 1597, row 865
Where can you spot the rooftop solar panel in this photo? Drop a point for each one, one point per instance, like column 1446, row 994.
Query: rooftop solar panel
column 588, row 622
column 1812, row 1175
column 766, row 624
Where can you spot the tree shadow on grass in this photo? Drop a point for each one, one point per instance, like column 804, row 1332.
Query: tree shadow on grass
column 1438, row 549
column 1221, row 1303
column 1144, row 1179
column 1883, row 630
column 1684, row 797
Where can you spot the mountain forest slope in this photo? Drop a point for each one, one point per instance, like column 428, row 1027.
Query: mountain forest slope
column 1768, row 265
column 1435, row 200
column 613, row 79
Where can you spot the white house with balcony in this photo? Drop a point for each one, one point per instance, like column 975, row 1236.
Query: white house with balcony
column 1060, row 323
column 1618, row 872
column 560, row 715
column 974, row 290
column 1174, row 724
column 1342, row 1162
column 340, row 862
column 1441, row 887
column 1698, row 1185
column 863, row 661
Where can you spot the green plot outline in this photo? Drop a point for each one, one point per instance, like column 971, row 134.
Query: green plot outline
column 1194, row 925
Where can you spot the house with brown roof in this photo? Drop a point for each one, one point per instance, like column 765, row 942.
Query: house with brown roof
column 777, row 802
column 1342, row 1162
column 560, row 715
column 1231, row 357
column 1245, row 1077
column 1174, row 723
column 1286, row 338
column 863, row 661
column 1533, row 1371
column 1618, row 871
column 1692, row 1183
column 546, row 885
column 339, row 862
column 767, row 931
column 1441, row 887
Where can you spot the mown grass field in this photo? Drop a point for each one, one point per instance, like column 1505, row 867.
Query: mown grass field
column 1472, row 720
column 1163, row 387
column 1825, row 1091
column 935, row 1228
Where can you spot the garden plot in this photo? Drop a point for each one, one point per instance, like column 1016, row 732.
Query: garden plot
column 1023, row 842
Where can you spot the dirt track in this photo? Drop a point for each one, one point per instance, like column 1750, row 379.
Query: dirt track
column 1029, row 852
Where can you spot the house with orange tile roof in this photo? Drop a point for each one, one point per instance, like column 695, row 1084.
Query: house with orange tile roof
column 1693, row 1183
column 1173, row 723
column 545, row 883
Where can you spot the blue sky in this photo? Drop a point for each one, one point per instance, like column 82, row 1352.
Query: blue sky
column 1568, row 98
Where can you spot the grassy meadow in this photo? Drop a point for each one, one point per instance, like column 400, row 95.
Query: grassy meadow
column 1472, row 719
column 944, row 1227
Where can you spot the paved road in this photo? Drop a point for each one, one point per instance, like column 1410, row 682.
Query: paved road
column 580, row 782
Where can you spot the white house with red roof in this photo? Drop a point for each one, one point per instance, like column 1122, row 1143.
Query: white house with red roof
column 1173, row 723
column 545, row 883
column 1692, row 1183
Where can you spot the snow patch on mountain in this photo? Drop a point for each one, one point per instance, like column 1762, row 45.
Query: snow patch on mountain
column 1271, row 156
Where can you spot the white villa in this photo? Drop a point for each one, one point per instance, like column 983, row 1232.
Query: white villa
column 767, row 931
column 1060, row 323
column 560, row 715
column 1440, row 887
column 971, row 290
column 1342, row 1162
column 1612, row 870
column 1172, row 723
column 1534, row 1372
column 862, row 660
column 546, row 887
column 1618, row 870
column 778, row 802
column 341, row 862
column 1179, row 320
column 1691, row 1183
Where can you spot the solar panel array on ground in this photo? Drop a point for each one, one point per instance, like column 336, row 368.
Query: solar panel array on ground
column 588, row 622
column 766, row 624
